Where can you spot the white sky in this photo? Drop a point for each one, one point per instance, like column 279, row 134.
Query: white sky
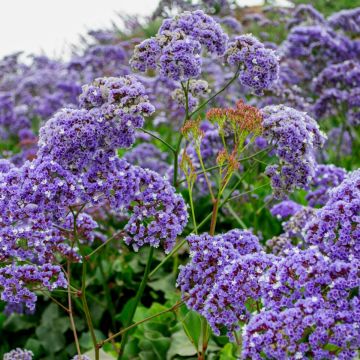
column 50, row 26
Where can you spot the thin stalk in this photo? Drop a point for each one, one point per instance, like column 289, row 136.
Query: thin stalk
column 215, row 167
column 178, row 144
column 192, row 208
column 236, row 216
column 247, row 192
column 137, row 299
column 87, row 257
column 124, row 331
column 236, row 75
column 55, row 301
column 71, row 314
column 205, row 174
column 159, row 138
column 83, row 288
column 205, row 338
column 109, row 302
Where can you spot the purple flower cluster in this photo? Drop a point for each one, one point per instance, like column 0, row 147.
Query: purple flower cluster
column 346, row 20
column 326, row 177
column 306, row 294
column 82, row 357
column 285, row 209
column 221, row 276
column 338, row 87
column 258, row 66
column 306, row 14
column 306, row 331
column 317, row 45
column 295, row 136
column 15, row 280
column 19, row 354
column 293, row 235
column 176, row 49
column 198, row 26
column 336, row 228
column 77, row 164
column 112, row 109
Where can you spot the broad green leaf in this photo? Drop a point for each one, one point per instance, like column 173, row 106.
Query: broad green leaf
column 192, row 327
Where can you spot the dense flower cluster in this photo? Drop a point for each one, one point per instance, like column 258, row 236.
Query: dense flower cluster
column 329, row 334
column 336, row 228
column 258, row 66
column 295, row 136
column 347, row 20
column 285, row 209
column 294, row 234
column 76, row 163
column 326, row 177
column 318, row 45
column 198, row 26
column 19, row 354
column 214, row 281
column 112, row 109
column 306, row 294
column 338, row 87
column 15, row 279
column 176, row 49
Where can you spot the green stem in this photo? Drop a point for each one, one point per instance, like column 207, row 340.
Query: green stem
column 158, row 138
column 236, row 216
column 236, row 75
column 87, row 257
column 205, row 338
column 137, row 299
column 176, row 160
column 83, row 287
column 71, row 313
column 109, row 302
column 214, row 215
column 124, row 331
column 192, row 208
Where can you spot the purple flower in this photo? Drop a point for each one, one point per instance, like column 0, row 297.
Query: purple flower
column 347, row 20
column 201, row 27
column 336, row 228
column 326, row 177
column 295, row 136
column 176, row 49
column 259, row 66
column 285, row 209
column 18, row 354
column 221, row 275
column 14, row 280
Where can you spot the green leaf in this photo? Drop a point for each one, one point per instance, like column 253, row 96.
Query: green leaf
column 34, row 345
column 16, row 323
column 51, row 339
column 192, row 327
column 166, row 284
column 227, row 352
column 180, row 345
column 85, row 340
column 156, row 342
column 124, row 314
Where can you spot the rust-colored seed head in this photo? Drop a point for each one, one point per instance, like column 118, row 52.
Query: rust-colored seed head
column 244, row 117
